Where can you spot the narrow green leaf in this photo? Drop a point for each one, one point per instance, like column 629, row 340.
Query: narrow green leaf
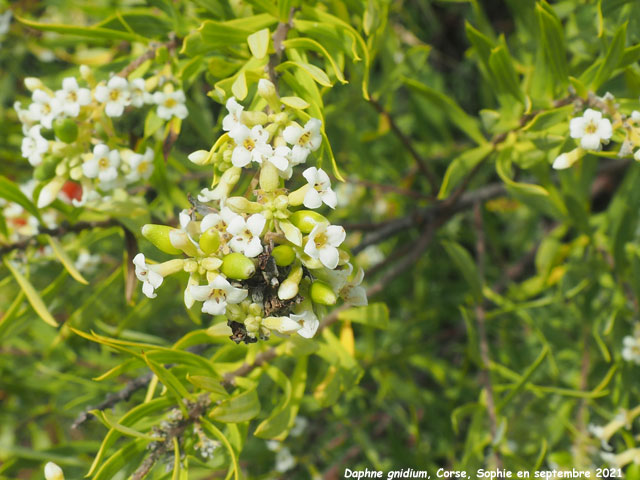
column 523, row 379
column 553, row 45
column 213, row 430
column 296, row 103
column 311, row 44
column 91, row 32
column 11, row 192
column 278, row 422
column 548, row 119
column 467, row 124
column 210, row 384
column 259, row 43
column 68, row 264
column 462, row 259
column 236, row 409
column 31, row 294
column 504, row 72
column 110, row 422
column 316, row 73
column 375, row 315
column 461, row 166
column 612, row 58
column 239, row 87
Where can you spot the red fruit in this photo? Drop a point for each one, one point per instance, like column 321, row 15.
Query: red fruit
column 72, row 190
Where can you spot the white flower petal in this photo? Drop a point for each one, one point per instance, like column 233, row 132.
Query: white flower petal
column 329, row 256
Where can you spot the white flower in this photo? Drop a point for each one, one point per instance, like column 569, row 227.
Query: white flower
column 24, row 115
column 72, row 97
column 561, row 162
column 319, row 189
column 631, row 349
column 323, row 242
column 44, row 108
column 148, row 275
column 103, row 164
column 232, row 119
column 217, row 295
column 171, row 104
column 138, row 92
column 284, row 460
column 115, row 95
column 53, row 472
column 304, row 140
column 86, row 262
column 220, row 221
column 351, row 291
column 635, row 116
column 280, row 159
column 591, row 129
column 5, row 21
column 141, row 165
column 251, row 145
column 299, row 426
column 636, row 156
column 246, row 234
column 308, row 321
column 34, row 145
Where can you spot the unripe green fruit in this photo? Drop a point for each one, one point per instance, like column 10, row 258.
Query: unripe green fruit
column 305, row 220
column 47, row 133
column 237, row 266
column 159, row 236
column 66, row 130
column 322, row 293
column 210, row 241
column 47, row 169
column 284, row 255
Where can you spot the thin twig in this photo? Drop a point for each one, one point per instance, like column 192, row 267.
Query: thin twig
column 55, row 232
column 278, row 37
column 482, row 332
column 406, row 142
column 148, row 55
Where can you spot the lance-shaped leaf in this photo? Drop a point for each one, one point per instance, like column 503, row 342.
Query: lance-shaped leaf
column 68, row 264
column 10, row 191
column 31, row 294
column 240, row 408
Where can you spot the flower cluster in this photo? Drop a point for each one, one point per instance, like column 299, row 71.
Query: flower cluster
column 260, row 261
column 69, row 134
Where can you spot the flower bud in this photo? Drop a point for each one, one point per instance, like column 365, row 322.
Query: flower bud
column 242, row 205
column 252, row 118
column 289, row 287
column 210, row 241
column 269, row 178
column 200, row 157
column 267, row 90
column 180, row 240
column 159, row 235
column 211, row 263
column 297, row 196
column 47, row 169
column 237, row 266
column 281, row 202
column 281, row 324
column 284, row 255
column 255, row 309
column 33, row 83
column 229, row 178
column 170, row 267
column 50, row 191
column 322, row 293
column 66, row 130
column 190, row 266
column 53, row 472
column 306, row 220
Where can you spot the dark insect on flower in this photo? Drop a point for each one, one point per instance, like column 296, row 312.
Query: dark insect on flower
column 239, row 333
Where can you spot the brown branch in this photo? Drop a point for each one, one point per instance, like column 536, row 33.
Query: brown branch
column 55, row 232
column 406, row 142
column 175, row 430
column 278, row 37
column 482, row 331
column 172, row 44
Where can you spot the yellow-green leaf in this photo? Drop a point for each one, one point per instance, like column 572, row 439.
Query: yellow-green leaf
column 259, row 43
column 65, row 260
column 32, row 296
